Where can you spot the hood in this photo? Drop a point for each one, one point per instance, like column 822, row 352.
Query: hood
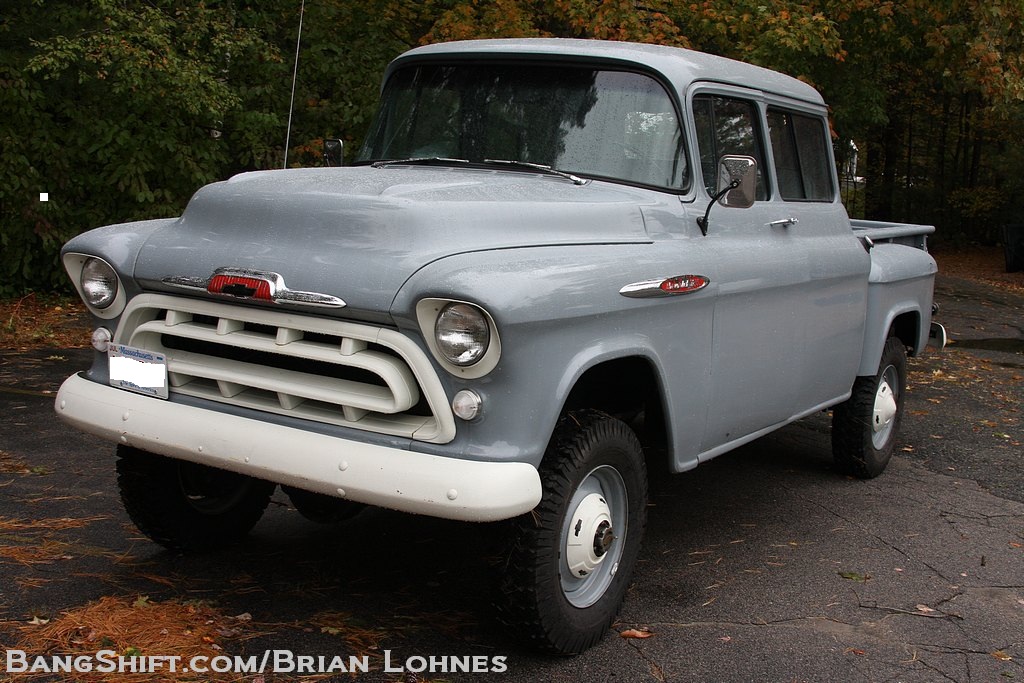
column 359, row 233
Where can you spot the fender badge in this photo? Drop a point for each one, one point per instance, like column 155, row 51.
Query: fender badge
column 665, row 286
column 258, row 285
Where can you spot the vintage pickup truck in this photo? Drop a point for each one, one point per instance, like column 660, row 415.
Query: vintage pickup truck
column 553, row 265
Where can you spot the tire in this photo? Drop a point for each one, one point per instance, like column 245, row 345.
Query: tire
column 320, row 508
column 185, row 506
column 570, row 560
column 865, row 426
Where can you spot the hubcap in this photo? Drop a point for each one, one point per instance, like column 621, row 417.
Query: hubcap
column 589, row 535
column 592, row 536
column 885, row 408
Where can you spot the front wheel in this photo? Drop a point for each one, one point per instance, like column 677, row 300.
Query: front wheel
column 571, row 558
column 865, row 426
column 186, row 506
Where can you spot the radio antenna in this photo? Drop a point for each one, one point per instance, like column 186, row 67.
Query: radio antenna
column 295, row 75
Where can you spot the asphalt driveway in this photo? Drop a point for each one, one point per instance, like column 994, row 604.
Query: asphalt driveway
column 763, row 565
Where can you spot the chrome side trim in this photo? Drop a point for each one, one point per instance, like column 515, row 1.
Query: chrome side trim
column 665, row 286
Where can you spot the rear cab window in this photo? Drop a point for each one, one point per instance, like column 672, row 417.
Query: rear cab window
column 799, row 146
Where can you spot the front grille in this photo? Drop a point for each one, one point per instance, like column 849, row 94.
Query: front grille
column 328, row 371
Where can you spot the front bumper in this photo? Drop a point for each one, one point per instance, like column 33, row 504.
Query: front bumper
column 403, row 480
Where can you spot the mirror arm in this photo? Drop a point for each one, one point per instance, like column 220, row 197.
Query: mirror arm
column 703, row 222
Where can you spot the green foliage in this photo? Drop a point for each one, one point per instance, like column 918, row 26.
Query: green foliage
column 120, row 109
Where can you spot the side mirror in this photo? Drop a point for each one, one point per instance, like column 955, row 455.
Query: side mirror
column 737, row 178
column 737, row 185
column 334, row 152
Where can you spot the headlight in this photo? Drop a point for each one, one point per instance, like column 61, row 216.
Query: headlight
column 99, row 283
column 462, row 334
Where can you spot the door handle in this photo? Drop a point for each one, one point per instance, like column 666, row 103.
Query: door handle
column 784, row 222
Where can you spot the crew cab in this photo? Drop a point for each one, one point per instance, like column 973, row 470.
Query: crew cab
column 552, row 265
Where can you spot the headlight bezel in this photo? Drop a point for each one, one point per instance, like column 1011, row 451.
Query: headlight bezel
column 428, row 314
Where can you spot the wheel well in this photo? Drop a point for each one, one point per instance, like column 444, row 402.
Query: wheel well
column 628, row 389
column 906, row 327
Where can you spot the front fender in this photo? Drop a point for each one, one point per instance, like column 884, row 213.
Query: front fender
column 559, row 313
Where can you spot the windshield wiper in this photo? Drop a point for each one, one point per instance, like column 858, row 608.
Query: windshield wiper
column 418, row 160
column 465, row 162
column 576, row 180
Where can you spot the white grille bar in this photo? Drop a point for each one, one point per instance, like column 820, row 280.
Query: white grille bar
column 226, row 353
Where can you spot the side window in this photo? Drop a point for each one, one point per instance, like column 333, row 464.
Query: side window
column 726, row 125
column 801, row 157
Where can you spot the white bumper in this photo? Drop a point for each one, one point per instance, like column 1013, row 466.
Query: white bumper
column 376, row 475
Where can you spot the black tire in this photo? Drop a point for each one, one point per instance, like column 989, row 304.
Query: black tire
column 320, row 508
column 184, row 506
column 593, row 474
column 864, row 427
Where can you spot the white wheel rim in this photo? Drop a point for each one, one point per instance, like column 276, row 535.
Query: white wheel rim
column 884, row 413
column 592, row 537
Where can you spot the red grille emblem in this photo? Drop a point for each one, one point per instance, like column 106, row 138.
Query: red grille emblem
column 242, row 287
column 259, row 285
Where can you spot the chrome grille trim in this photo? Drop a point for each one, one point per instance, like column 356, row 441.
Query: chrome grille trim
column 392, row 372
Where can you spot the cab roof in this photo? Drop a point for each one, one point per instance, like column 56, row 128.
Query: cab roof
column 678, row 66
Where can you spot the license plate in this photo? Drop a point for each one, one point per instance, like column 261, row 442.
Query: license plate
column 138, row 370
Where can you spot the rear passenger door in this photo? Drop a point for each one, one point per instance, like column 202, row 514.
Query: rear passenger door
column 835, row 307
column 786, row 269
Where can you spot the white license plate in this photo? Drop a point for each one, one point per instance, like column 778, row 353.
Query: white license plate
column 138, row 370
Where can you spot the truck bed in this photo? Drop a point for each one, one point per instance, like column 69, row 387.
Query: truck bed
column 897, row 233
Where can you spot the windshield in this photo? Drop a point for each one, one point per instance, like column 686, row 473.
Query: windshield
column 612, row 124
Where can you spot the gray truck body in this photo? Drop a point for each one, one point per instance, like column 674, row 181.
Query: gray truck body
column 798, row 303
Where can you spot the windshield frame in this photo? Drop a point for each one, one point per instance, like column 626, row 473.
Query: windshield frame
column 533, row 61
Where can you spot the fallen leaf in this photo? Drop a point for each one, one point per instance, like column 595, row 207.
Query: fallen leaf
column 853, row 651
column 636, row 633
column 854, row 576
column 1002, row 656
column 726, row 639
column 923, row 608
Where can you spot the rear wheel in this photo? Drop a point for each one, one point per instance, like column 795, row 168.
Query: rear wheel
column 186, row 506
column 865, row 426
column 571, row 558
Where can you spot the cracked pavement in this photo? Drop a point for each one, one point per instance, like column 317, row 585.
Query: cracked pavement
column 762, row 565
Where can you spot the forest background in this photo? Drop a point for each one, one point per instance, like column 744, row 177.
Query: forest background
column 120, row 110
